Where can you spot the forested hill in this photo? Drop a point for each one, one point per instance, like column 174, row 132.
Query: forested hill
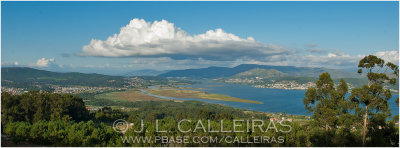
column 24, row 76
column 217, row 72
column 261, row 73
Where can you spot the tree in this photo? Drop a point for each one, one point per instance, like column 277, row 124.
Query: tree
column 34, row 106
column 374, row 96
column 107, row 114
column 325, row 101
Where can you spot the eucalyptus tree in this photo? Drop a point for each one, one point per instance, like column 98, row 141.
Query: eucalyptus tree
column 373, row 97
column 325, row 101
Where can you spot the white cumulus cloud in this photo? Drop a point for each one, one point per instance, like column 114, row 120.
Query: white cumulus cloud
column 389, row 56
column 43, row 62
column 163, row 39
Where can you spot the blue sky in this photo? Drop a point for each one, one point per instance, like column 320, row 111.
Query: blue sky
column 305, row 31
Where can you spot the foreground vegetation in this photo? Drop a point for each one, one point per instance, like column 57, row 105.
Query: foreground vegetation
column 61, row 127
column 367, row 107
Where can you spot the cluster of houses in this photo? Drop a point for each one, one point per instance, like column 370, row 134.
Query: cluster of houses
column 79, row 89
column 287, row 85
column 13, row 91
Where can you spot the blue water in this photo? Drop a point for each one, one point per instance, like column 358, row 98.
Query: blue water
column 274, row 100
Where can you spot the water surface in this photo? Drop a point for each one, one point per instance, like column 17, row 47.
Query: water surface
column 274, row 100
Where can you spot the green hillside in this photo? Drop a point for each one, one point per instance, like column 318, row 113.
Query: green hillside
column 259, row 76
column 24, row 77
column 218, row 72
column 261, row 73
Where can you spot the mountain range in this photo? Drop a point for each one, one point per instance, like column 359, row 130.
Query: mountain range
column 144, row 72
column 218, row 72
column 21, row 76
column 260, row 73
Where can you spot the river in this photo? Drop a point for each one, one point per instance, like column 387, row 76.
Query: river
column 274, row 100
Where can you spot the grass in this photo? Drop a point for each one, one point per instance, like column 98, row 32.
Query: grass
column 129, row 95
column 178, row 87
column 179, row 93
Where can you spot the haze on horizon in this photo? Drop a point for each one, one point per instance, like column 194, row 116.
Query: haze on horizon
column 81, row 36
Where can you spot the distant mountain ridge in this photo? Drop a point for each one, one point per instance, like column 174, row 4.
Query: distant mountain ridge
column 260, row 73
column 217, row 72
column 27, row 76
column 144, row 72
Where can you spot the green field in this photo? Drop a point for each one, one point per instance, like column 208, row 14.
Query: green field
column 129, row 95
column 179, row 93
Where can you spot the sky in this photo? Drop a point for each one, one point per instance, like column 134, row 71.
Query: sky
column 118, row 37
